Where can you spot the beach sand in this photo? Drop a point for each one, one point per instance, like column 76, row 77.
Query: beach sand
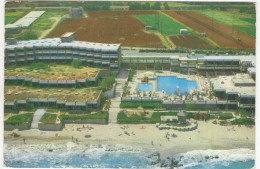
column 207, row 136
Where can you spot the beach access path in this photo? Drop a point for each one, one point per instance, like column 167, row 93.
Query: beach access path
column 116, row 100
column 37, row 116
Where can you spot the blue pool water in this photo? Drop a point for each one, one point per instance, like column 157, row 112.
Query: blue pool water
column 144, row 87
column 169, row 84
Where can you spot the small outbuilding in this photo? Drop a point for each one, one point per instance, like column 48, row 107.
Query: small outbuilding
column 182, row 116
column 183, row 31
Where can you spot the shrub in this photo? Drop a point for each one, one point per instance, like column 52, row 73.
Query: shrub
column 76, row 63
column 131, row 75
column 30, row 35
column 107, row 82
column 225, row 116
column 190, row 107
column 243, row 113
column 146, row 105
column 38, row 66
column 19, row 119
column 243, row 121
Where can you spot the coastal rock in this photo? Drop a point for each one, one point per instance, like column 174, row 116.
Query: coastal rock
column 154, row 154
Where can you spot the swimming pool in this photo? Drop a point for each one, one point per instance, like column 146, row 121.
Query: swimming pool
column 169, row 84
column 145, row 87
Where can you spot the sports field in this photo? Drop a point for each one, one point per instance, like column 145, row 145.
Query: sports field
column 240, row 21
column 162, row 23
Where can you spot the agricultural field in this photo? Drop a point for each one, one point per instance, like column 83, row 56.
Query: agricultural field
column 190, row 41
column 240, row 21
column 12, row 16
column 52, row 72
column 221, row 34
column 109, row 27
column 162, row 23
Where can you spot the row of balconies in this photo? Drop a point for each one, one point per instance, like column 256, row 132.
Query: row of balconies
column 57, row 50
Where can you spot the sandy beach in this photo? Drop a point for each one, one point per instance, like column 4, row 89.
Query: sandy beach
column 147, row 136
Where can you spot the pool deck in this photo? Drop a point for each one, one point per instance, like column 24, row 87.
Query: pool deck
column 203, row 86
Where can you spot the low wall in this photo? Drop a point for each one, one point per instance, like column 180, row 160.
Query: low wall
column 50, row 127
column 23, row 126
column 86, row 121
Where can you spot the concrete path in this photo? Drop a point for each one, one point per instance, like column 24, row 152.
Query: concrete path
column 37, row 116
column 116, row 100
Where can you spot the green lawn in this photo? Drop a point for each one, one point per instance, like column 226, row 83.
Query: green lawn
column 99, row 115
column 155, row 118
column 46, row 21
column 49, row 118
column 19, row 119
column 162, row 23
column 242, row 22
column 10, row 17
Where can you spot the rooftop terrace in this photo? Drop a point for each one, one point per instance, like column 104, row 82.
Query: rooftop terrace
column 238, row 84
column 56, row 42
column 58, row 72
column 13, row 93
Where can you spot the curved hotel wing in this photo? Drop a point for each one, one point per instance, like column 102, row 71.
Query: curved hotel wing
column 63, row 49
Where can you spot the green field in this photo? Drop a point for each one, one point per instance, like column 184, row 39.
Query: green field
column 10, row 16
column 162, row 23
column 242, row 22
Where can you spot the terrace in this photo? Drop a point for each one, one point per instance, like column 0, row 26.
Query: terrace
column 53, row 73
column 14, row 93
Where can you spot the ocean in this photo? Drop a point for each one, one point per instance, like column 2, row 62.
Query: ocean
column 120, row 156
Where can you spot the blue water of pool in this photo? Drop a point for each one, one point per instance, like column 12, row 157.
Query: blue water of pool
column 169, row 84
column 144, row 87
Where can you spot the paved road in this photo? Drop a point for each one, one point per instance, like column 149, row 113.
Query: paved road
column 37, row 116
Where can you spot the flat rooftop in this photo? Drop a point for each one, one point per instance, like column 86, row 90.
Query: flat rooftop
column 13, row 93
column 58, row 72
column 226, row 84
column 27, row 20
column 56, row 43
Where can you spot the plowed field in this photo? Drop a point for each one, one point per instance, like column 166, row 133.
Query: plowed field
column 223, row 35
column 109, row 27
column 189, row 41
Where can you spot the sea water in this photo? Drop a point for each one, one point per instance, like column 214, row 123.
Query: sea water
column 95, row 157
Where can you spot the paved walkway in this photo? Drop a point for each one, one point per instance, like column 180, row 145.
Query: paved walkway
column 116, row 100
column 37, row 116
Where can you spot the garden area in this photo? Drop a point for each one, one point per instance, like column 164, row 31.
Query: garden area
column 19, row 119
column 53, row 71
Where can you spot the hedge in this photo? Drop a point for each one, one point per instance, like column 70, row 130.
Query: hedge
column 225, row 116
column 146, row 105
column 243, row 121
column 100, row 115
column 20, row 119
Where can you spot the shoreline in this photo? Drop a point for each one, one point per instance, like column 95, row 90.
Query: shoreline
column 207, row 136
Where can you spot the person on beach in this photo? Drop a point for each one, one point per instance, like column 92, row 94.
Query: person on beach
column 72, row 138
column 24, row 141
column 152, row 142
